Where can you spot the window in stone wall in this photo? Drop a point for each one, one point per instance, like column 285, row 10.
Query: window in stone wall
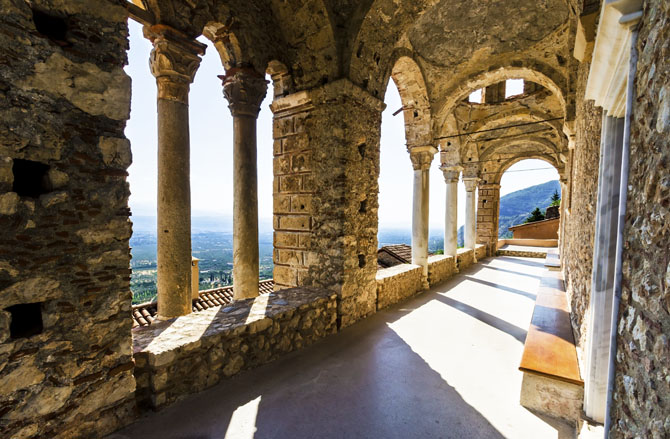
column 476, row 96
column 26, row 320
column 513, row 87
column 30, row 178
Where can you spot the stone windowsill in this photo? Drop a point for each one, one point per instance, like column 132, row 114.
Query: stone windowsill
column 432, row 259
column 389, row 272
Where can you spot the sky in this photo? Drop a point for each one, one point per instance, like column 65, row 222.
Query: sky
column 211, row 130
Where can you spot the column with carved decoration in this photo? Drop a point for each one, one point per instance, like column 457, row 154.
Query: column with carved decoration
column 174, row 62
column 245, row 89
column 422, row 157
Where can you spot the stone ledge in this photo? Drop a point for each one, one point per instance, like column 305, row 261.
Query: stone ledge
column 190, row 353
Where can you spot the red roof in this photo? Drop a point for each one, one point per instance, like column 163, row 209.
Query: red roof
column 145, row 313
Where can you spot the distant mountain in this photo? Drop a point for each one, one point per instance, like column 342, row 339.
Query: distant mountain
column 516, row 206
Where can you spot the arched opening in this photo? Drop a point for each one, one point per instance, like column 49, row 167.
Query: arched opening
column 526, row 185
column 211, row 175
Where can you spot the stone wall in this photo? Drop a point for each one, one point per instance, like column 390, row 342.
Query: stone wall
column 397, row 283
column 464, row 258
column 326, row 186
column 65, row 344
column 191, row 353
column 641, row 400
column 482, row 251
column 440, row 268
column 545, row 229
column 577, row 254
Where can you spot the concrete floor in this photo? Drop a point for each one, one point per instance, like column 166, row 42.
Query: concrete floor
column 442, row 365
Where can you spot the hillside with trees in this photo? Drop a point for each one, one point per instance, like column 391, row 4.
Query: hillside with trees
column 517, row 206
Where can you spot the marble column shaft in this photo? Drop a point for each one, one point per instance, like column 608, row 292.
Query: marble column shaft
column 451, row 211
column 421, row 158
column 174, row 62
column 470, row 212
column 245, row 89
column 602, row 280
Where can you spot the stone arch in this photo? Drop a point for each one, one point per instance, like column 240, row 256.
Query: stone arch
column 516, row 117
column 532, row 71
column 226, row 43
column 409, row 80
column 380, row 26
column 312, row 54
column 282, row 81
column 508, row 164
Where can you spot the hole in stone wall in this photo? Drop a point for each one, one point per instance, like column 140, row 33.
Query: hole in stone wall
column 361, row 261
column 364, row 206
column 52, row 27
column 361, row 150
column 26, row 320
column 416, row 113
column 30, row 178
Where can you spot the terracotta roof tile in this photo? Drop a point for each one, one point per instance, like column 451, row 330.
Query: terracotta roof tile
column 144, row 314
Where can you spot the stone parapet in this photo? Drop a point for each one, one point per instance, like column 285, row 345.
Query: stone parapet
column 397, row 283
column 464, row 258
column 191, row 353
column 440, row 268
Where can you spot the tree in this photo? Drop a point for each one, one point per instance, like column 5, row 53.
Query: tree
column 535, row 215
column 555, row 199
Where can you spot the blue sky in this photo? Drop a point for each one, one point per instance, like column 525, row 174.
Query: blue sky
column 211, row 150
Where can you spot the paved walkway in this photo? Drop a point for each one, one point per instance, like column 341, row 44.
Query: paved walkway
column 442, row 365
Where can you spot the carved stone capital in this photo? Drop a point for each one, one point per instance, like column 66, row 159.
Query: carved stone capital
column 174, row 61
column 422, row 156
column 245, row 90
column 470, row 184
column 451, row 173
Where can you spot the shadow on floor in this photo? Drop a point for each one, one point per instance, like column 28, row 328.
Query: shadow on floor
column 519, row 273
column 485, row 317
column 502, row 287
column 364, row 382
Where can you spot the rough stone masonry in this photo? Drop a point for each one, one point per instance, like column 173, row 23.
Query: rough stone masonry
column 66, row 366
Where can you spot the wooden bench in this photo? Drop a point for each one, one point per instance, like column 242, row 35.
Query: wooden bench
column 552, row 383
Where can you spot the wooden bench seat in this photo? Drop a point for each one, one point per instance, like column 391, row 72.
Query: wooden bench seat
column 552, row 382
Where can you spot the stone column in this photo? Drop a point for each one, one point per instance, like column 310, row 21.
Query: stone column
column 421, row 157
column 174, row 62
column 563, row 210
column 244, row 89
column 488, row 212
column 470, row 212
column 451, row 210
